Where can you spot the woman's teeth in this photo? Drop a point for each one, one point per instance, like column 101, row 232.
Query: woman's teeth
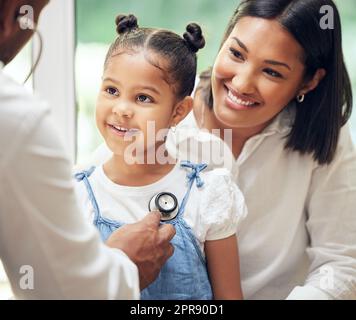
column 239, row 101
column 120, row 128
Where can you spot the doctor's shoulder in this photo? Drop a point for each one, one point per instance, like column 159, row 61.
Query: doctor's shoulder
column 21, row 112
column 19, row 107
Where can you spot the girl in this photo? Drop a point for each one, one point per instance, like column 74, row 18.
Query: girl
column 148, row 77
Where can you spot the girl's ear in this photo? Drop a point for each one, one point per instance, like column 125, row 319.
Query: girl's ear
column 313, row 83
column 181, row 110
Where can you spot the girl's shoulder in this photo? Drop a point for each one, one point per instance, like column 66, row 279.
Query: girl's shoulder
column 217, row 176
column 221, row 194
column 221, row 205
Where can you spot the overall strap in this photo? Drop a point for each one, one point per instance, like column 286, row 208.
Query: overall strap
column 192, row 176
column 83, row 176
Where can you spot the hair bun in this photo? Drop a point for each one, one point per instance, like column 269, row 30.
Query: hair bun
column 194, row 37
column 125, row 23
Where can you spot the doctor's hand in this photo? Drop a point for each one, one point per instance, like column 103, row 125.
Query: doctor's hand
column 147, row 244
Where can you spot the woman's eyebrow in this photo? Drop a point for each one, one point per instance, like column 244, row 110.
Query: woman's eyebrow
column 273, row 62
column 277, row 63
column 240, row 44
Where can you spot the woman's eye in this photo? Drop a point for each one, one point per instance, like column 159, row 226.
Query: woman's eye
column 237, row 54
column 144, row 98
column 112, row 91
column 273, row 73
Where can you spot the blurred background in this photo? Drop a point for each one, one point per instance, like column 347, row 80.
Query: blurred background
column 94, row 30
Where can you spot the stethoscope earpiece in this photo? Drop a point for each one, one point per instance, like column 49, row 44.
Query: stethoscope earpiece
column 166, row 203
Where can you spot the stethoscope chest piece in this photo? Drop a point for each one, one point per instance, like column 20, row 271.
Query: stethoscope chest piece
column 166, row 203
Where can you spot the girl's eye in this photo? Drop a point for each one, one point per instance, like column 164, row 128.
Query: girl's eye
column 237, row 54
column 144, row 98
column 273, row 73
column 112, row 91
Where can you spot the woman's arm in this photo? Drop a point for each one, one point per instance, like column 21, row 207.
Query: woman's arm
column 224, row 268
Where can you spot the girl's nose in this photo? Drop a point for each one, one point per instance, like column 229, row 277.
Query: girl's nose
column 123, row 109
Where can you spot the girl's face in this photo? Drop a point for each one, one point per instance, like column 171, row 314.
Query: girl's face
column 258, row 71
column 133, row 92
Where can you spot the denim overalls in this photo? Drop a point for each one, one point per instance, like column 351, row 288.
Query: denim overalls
column 184, row 276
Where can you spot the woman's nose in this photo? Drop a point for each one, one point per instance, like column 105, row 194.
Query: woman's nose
column 123, row 109
column 244, row 82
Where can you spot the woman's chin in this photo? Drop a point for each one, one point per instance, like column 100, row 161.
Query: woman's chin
column 227, row 117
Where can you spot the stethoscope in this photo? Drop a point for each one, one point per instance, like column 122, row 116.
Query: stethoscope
column 27, row 23
column 166, row 203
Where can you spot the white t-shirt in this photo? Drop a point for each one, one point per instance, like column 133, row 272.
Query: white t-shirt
column 212, row 211
column 49, row 251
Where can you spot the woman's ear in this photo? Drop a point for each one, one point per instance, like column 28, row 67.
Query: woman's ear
column 312, row 83
column 181, row 110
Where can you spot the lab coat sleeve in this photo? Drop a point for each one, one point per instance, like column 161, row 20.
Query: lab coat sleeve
column 48, row 249
column 331, row 224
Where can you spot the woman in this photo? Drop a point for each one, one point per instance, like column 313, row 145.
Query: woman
column 280, row 84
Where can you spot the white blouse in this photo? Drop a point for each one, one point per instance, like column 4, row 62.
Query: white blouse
column 299, row 239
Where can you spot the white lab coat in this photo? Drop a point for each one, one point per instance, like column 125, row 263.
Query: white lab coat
column 48, row 249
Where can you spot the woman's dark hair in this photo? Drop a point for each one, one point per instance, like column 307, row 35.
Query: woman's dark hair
column 179, row 53
column 326, row 109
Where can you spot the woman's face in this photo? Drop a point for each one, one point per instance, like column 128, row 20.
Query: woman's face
column 258, row 71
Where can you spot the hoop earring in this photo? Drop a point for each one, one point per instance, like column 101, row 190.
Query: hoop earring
column 300, row 98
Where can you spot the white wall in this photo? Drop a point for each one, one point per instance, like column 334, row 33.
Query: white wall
column 54, row 76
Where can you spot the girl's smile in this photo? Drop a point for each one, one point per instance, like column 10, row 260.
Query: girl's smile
column 122, row 131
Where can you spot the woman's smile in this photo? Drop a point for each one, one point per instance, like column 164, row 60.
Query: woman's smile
column 236, row 101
